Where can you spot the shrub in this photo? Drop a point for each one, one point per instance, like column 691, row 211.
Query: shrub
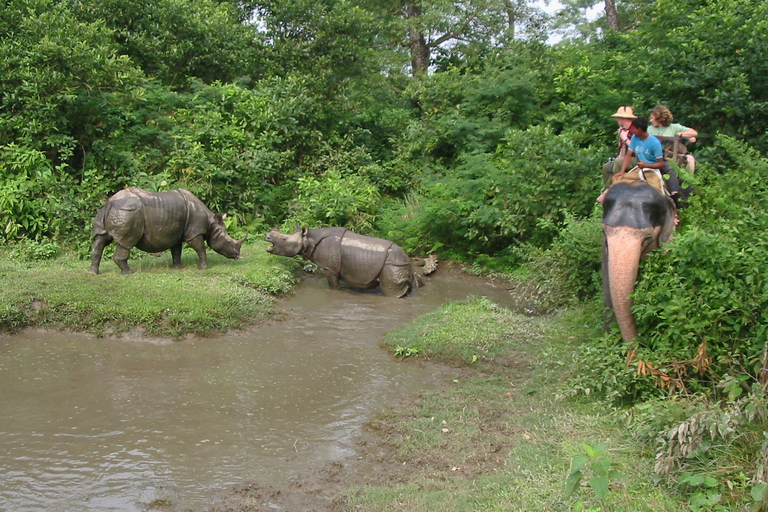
column 517, row 195
column 709, row 290
column 337, row 200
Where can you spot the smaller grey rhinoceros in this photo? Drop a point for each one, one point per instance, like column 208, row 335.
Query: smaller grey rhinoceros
column 363, row 262
column 156, row 222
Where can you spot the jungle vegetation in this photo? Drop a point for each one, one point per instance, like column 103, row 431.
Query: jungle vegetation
column 475, row 129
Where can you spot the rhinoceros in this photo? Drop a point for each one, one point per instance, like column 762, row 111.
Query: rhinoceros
column 362, row 262
column 158, row 221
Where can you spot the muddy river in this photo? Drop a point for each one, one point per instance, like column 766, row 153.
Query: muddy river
column 112, row 425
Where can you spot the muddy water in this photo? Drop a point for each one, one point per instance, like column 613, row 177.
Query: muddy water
column 113, row 425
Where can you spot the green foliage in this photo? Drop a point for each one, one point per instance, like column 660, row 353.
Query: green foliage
column 32, row 250
column 705, row 497
column 401, row 351
column 22, row 211
column 711, row 284
column 469, row 109
column 569, row 270
column 177, row 41
column 712, row 451
column 691, row 49
column 517, row 195
column 596, row 466
column 234, row 146
column 603, row 373
column 337, row 200
column 60, row 78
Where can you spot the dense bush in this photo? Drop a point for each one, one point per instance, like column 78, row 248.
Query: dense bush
column 568, row 272
column 710, row 287
column 519, row 194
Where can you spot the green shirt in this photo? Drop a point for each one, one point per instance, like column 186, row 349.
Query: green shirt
column 670, row 131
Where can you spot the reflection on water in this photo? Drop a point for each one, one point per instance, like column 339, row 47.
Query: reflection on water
column 111, row 425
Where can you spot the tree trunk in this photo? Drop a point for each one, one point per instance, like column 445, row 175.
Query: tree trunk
column 610, row 14
column 418, row 44
column 511, row 15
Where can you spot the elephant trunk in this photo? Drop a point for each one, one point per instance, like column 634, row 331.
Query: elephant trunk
column 625, row 247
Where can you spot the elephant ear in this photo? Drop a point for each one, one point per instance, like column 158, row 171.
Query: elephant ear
column 668, row 228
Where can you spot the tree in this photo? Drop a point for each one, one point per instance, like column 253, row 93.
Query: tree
column 177, row 41
column 610, row 14
column 618, row 16
column 463, row 27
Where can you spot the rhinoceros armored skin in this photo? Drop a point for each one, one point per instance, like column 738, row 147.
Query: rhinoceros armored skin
column 156, row 222
column 362, row 262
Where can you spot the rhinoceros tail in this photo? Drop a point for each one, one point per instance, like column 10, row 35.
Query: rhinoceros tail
column 98, row 221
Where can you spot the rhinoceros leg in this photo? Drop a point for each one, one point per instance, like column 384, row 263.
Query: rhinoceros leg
column 395, row 280
column 176, row 256
column 333, row 280
column 199, row 246
column 99, row 243
column 121, row 258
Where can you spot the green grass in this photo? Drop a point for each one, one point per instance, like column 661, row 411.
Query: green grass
column 473, row 331
column 503, row 436
column 156, row 299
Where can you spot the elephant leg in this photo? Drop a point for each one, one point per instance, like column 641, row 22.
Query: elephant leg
column 121, row 258
column 395, row 280
column 176, row 256
column 198, row 245
column 99, row 243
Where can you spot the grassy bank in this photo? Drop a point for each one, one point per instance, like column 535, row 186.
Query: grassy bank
column 156, row 300
column 506, row 436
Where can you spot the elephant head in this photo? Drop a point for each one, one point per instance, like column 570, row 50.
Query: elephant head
column 637, row 219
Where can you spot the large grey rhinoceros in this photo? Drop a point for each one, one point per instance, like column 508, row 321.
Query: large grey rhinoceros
column 158, row 221
column 363, row 262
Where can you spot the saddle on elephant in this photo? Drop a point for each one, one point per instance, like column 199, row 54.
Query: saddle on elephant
column 651, row 176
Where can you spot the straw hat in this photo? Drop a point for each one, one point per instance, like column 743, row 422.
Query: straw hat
column 625, row 112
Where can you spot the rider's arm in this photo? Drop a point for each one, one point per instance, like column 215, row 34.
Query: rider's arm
column 619, row 175
column 658, row 165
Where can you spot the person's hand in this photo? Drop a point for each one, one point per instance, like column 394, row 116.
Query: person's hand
column 618, row 176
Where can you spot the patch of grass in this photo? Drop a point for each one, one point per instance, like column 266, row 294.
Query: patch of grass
column 506, row 435
column 156, row 299
column 471, row 331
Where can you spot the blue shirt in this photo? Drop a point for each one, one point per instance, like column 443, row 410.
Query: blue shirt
column 648, row 150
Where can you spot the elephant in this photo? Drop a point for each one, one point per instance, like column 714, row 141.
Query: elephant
column 637, row 219
column 362, row 262
column 158, row 221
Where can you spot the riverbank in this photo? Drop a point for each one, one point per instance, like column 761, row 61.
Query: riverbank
column 155, row 302
column 503, row 435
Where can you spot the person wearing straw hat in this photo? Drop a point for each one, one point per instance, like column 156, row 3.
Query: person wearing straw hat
column 624, row 116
